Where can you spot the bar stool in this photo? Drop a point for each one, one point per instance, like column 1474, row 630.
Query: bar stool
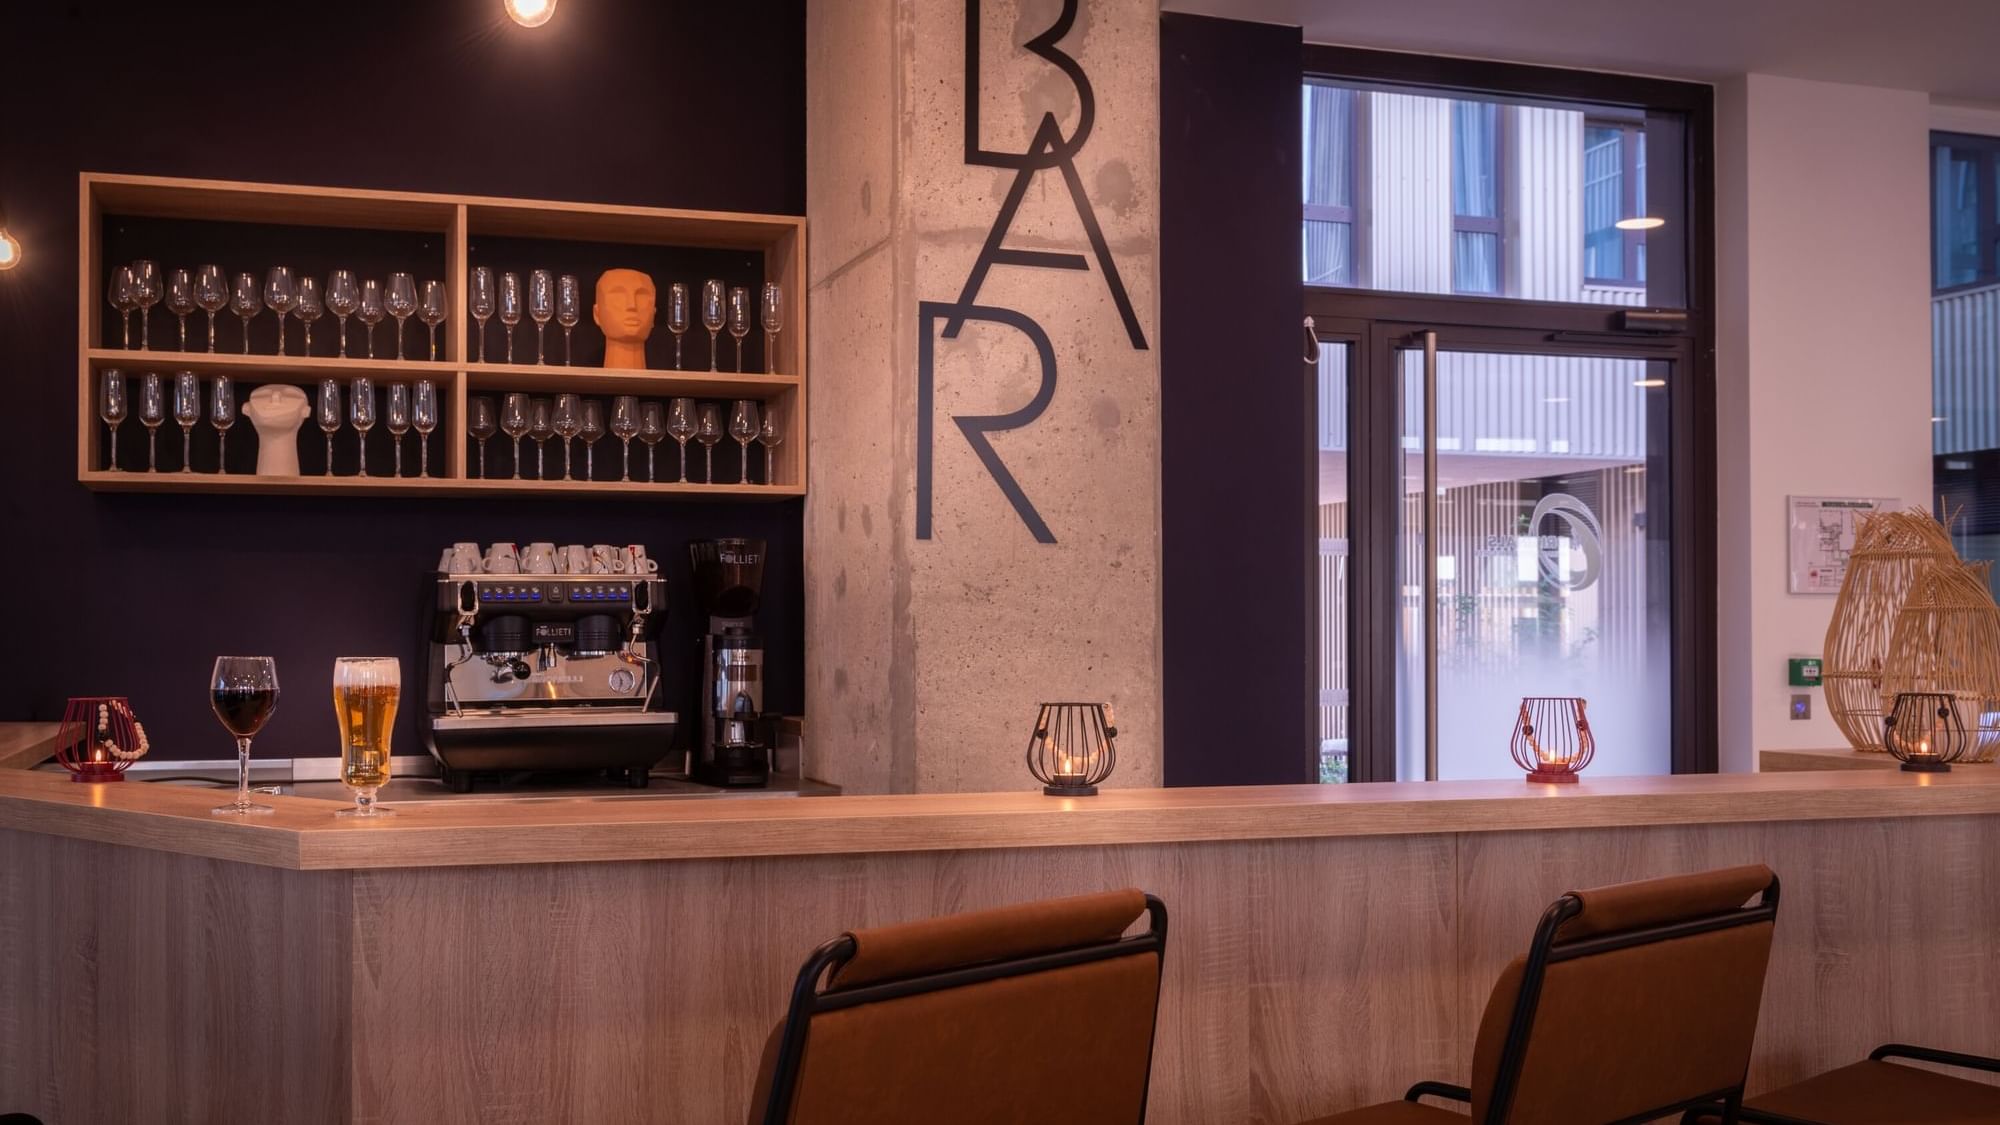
column 1879, row 1092
column 1635, row 1001
column 1040, row 1012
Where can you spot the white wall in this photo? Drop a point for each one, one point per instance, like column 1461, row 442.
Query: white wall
column 1823, row 366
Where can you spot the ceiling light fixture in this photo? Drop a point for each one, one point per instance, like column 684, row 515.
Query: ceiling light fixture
column 1643, row 222
column 530, row 13
column 1649, row 382
column 10, row 247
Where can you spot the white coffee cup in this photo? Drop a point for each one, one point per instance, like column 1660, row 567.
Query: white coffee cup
column 606, row 559
column 464, row 558
column 637, row 562
column 573, row 559
column 502, row 558
column 539, row 558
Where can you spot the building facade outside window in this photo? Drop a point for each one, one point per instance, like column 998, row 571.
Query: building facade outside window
column 1329, row 117
column 1614, row 190
column 1965, row 339
column 1475, row 198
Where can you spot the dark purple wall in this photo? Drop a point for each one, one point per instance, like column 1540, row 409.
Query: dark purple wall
column 1237, row 511
column 660, row 102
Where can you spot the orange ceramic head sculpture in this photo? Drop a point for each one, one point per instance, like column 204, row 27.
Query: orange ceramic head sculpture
column 624, row 312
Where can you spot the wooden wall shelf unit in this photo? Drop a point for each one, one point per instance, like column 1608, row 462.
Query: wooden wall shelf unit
column 457, row 220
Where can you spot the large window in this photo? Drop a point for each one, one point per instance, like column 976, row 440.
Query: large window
column 1614, row 203
column 1475, row 197
column 1965, row 339
column 1965, row 210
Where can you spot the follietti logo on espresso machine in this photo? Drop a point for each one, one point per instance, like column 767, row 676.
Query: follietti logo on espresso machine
column 1049, row 151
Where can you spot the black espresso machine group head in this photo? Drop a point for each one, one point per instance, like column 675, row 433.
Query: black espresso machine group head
column 735, row 745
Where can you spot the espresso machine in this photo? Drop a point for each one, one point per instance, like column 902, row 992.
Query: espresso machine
column 546, row 672
column 736, row 735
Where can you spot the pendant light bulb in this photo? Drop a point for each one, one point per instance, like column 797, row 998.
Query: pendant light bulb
column 530, row 13
column 10, row 251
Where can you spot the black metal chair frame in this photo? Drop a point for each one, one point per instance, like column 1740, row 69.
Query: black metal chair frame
column 1546, row 951
column 1885, row 1051
column 808, row 999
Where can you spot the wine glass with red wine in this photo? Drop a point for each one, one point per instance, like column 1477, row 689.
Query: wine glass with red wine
column 244, row 692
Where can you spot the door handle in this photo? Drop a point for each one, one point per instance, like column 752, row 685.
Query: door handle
column 1430, row 595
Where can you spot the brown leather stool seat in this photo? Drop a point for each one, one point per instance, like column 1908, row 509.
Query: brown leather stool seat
column 1880, row 1092
column 1394, row 1113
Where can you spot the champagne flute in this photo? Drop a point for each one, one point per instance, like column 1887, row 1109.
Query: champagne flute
column 123, row 293
column 680, row 426
column 246, row 302
column 365, row 692
column 624, row 424
column 211, row 292
column 152, row 414
column 771, row 311
column 400, row 300
column 431, row 311
column 187, row 412
column 329, row 414
column 146, row 276
column 482, row 423
column 280, row 294
column 311, row 307
column 514, row 423
column 361, row 413
column 424, row 415
column 743, row 422
column 593, row 428
column 568, row 423
column 739, row 320
column 180, row 300
column 371, row 313
column 481, row 300
column 569, row 308
column 541, row 307
column 111, row 408
column 343, row 297
column 510, row 308
column 396, row 419
column 677, row 316
column 714, row 314
column 652, row 427
column 222, row 415
column 541, row 427
column 708, row 431
column 243, row 691
column 771, row 433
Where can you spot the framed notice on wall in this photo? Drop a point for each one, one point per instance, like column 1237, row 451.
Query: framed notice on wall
column 1821, row 530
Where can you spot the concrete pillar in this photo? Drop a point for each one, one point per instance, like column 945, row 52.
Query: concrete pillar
column 1034, row 575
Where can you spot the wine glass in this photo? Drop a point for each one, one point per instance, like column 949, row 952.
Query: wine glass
column 431, row 311
column 150, row 287
column 246, row 302
column 771, row 433
column 708, row 431
column 111, row 408
column 211, row 292
column 514, row 423
column 280, row 294
column 541, row 307
column 152, row 414
column 593, row 428
column 311, row 307
column 343, row 297
column 743, row 427
column 123, row 293
column 739, row 320
column 677, row 316
column 396, row 419
column 569, row 308
column 624, row 424
column 329, row 415
column 180, row 300
column 371, row 312
column 424, row 416
column 187, row 412
column 365, row 692
column 482, row 424
column 400, row 300
column 510, row 308
column 680, row 427
column 361, row 413
column 771, row 311
column 243, row 690
column 222, row 415
column 714, row 314
column 568, row 423
column 541, row 427
column 481, row 300
column 652, row 427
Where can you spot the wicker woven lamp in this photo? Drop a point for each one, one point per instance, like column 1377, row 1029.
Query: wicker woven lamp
column 1946, row 641
column 1891, row 549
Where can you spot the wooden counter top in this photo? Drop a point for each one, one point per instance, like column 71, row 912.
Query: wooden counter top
column 304, row 834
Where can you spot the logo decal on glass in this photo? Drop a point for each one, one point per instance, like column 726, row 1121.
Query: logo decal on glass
column 1584, row 531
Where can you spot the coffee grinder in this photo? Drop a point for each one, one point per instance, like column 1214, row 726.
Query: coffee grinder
column 735, row 750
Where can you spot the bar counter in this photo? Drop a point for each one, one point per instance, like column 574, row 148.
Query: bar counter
column 623, row 959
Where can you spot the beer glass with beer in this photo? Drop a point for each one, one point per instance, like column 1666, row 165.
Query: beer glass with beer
column 365, row 689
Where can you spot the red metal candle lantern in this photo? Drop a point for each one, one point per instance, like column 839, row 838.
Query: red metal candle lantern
column 1552, row 739
column 99, row 739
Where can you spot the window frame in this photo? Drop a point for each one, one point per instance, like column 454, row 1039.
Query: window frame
column 1481, row 224
column 1629, row 132
column 1986, row 217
